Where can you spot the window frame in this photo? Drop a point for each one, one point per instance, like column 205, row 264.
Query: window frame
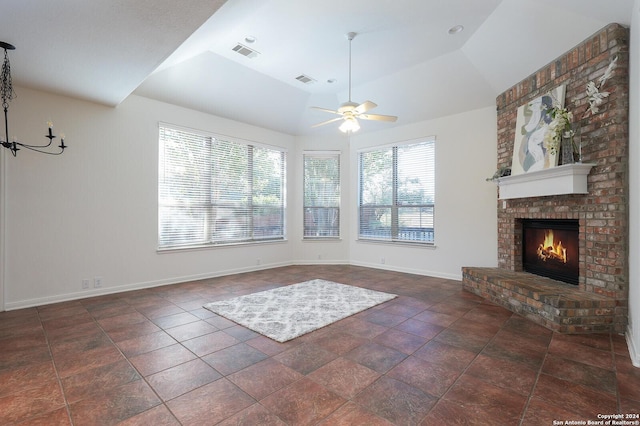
column 317, row 155
column 395, row 205
column 207, row 236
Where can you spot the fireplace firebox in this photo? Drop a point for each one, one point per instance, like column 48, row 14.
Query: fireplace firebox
column 550, row 248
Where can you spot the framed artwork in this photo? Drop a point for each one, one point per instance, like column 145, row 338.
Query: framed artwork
column 532, row 124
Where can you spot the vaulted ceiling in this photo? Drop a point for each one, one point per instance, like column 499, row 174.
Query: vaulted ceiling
column 403, row 58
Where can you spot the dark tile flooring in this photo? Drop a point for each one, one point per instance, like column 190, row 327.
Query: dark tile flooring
column 434, row 355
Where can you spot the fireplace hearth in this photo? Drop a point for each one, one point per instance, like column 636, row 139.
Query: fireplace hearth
column 550, row 248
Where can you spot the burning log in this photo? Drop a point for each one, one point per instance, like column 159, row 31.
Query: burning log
column 549, row 250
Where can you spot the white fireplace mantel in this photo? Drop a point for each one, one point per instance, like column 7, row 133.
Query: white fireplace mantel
column 564, row 179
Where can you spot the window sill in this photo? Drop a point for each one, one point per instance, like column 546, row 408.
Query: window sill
column 217, row 246
column 414, row 244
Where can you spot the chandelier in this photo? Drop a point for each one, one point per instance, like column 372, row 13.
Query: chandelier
column 7, row 93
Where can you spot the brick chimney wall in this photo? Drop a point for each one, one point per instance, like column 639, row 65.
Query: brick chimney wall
column 603, row 212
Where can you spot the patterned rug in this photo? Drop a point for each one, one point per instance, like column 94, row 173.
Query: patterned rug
column 287, row 312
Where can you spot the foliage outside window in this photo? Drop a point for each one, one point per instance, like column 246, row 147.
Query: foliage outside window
column 321, row 195
column 397, row 192
column 215, row 191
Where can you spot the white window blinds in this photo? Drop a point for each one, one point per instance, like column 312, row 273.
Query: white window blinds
column 397, row 192
column 321, row 206
column 215, row 191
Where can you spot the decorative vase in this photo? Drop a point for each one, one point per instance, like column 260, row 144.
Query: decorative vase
column 566, row 149
column 577, row 145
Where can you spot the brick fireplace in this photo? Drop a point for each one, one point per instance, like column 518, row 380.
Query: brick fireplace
column 599, row 300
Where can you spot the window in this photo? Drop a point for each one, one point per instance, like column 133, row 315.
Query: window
column 397, row 192
column 216, row 191
column 321, row 207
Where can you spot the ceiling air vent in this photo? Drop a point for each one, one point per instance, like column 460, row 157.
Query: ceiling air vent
column 245, row 51
column 305, row 79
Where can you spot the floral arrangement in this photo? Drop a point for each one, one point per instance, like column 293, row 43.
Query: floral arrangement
column 561, row 119
column 546, row 117
column 594, row 95
column 559, row 127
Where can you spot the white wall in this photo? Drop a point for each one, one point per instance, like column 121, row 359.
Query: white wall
column 465, row 212
column 93, row 211
column 633, row 332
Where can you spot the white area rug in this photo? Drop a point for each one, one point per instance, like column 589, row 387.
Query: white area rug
column 287, row 312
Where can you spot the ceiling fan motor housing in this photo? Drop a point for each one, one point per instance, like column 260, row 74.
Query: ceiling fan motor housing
column 347, row 106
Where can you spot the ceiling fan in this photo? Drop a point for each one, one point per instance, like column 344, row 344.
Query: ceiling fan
column 350, row 111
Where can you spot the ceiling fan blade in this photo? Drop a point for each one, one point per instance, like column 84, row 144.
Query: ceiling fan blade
column 364, row 107
column 327, row 110
column 327, row 122
column 378, row 117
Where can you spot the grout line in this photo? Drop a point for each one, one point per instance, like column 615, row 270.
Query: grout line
column 55, row 368
column 535, row 382
column 464, row 371
column 142, row 377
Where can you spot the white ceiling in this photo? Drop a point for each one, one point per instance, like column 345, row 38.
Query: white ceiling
column 403, row 57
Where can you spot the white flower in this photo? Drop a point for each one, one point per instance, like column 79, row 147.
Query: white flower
column 607, row 74
column 594, row 95
column 559, row 127
column 591, row 89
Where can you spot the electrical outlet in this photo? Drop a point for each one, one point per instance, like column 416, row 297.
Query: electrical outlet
column 97, row 282
column 319, row 257
column 382, row 260
column 85, row 283
column 258, row 261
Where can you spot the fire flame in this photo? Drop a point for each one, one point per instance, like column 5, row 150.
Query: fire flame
column 549, row 250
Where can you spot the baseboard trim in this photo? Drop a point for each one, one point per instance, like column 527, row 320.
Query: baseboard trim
column 633, row 349
column 455, row 277
column 385, row 267
column 319, row 262
column 29, row 303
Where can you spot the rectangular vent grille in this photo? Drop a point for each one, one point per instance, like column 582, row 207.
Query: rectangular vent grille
column 245, row 51
column 305, row 79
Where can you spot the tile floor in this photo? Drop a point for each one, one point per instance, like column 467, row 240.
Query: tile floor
column 434, row 355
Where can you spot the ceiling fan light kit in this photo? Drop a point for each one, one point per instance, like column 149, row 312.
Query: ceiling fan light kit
column 350, row 124
column 350, row 111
